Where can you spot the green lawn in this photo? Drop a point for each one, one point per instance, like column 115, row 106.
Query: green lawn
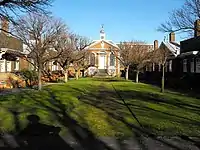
column 96, row 105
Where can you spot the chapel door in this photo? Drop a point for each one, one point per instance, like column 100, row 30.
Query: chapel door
column 102, row 61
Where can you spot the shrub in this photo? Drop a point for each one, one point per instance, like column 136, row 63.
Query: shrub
column 30, row 76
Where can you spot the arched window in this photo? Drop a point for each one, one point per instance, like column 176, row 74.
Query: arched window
column 92, row 59
column 112, row 59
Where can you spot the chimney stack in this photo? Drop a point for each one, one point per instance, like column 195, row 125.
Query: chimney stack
column 155, row 44
column 197, row 28
column 172, row 37
column 4, row 26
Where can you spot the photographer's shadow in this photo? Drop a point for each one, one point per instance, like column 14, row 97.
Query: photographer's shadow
column 41, row 136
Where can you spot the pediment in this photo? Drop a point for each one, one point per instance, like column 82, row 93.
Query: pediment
column 102, row 44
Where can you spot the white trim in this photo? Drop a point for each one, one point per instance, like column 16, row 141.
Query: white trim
column 98, row 41
column 170, row 66
column 101, row 52
column 98, row 49
column 3, row 65
column 8, row 66
column 6, row 49
column 189, row 53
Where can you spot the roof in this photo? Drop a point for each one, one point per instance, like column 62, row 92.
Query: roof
column 192, row 44
column 10, row 42
column 173, row 47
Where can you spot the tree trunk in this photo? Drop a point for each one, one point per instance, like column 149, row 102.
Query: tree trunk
column 39, row 79
column 163, row 79
column 76, row 75
column 66, row 75
column 137, row 76
column 126, row 76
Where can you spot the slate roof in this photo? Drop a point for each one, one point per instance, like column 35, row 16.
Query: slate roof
column 173, row 47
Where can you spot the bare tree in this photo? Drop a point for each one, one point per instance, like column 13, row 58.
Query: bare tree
column 134, row 53
column 81, row 55
column 41, row 34
column 82, row 62
column 10, row 9
column 183, row 19
column 73, row 52
column 160, row 56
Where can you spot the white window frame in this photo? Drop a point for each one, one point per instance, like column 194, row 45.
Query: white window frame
column 170, row 65
column 2, row 65
column 8, row 66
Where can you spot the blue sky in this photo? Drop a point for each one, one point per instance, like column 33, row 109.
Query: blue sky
column 122, row 19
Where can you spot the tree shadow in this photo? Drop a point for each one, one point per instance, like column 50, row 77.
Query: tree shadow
column 85, row 138
column 115, row 111
column 116, row 107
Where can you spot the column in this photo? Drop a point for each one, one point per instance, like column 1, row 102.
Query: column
column 97, row 59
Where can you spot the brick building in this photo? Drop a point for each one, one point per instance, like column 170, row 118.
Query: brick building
column 11, row 51
column 104, row 54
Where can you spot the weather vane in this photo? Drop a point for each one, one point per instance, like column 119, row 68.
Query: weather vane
column 102, row 25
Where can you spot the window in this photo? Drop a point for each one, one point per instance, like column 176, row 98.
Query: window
column 153, row 66
column 2, row 66
column 170, row 66
column 192, row 65
column 197, row 65
column 150, row 67
column 112, row 59
column 92, row 59
column 32, row 67
column 16, row 65
column 184, row 65
column 54, row 66
column 8, row 66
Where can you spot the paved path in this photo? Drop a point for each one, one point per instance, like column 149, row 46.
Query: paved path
column 9, row 91
column 144, row 144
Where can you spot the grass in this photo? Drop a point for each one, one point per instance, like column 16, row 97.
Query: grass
column 96, row 105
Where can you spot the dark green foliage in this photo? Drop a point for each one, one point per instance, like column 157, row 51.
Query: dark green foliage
column 30, row 76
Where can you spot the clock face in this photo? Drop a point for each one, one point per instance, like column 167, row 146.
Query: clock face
column 102, row 37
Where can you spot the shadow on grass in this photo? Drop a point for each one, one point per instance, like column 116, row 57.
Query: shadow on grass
column 114, row 108
column 117, row 108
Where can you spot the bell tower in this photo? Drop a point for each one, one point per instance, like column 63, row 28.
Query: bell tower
column 102, row 33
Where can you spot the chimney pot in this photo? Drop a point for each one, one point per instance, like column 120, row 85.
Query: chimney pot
column 4, row 25
column 172, row 37
column 197, row 28
column 155, row 44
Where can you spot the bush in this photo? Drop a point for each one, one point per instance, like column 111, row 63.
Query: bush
column 30, row 76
